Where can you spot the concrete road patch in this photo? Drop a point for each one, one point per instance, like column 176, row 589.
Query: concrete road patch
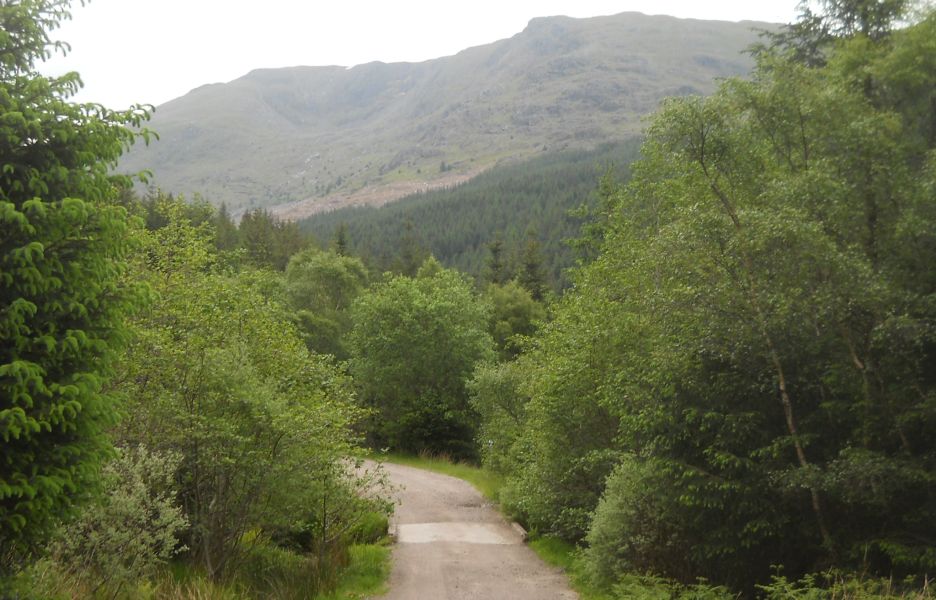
column 466, row 533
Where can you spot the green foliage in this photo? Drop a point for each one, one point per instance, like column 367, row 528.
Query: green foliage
column 812, row 37
column 366, row 574
column 349, row 509
column 156, row 206
column 496, row 396
column 566, row 450
column 218, row 375
column 753, row 347
column 412, row 253
column 258, row 240
column 227, row 237
column 516, row 314
column 320, row 287
column 783, row 274
column 267, row 241
column 372, row 527
column 414, row 343
column 563, row 555
column 530, row 272
column 630, row 531
column 339, row 242
column 832, row 585
column 121, row 539
column 62, row 297
column 271, row 571
column 646, row 587
column 495, row 267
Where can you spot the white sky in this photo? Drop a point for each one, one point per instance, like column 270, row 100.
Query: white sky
column 151, row 51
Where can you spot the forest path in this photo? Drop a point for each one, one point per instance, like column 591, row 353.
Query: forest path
column 452, row 545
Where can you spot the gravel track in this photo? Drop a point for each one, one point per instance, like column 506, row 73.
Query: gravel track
column 452, row 545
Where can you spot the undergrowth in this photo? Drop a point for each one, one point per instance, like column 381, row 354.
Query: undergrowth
column 269, row 573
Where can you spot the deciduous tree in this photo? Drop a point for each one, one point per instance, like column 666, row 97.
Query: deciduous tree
column 219, row 376
column 320, row 287
column 414, row 344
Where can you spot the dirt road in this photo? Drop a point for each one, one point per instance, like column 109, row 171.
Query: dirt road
column 451, row 545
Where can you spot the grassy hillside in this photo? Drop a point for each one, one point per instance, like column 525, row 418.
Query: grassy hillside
column 312, row 138
column 456, row 224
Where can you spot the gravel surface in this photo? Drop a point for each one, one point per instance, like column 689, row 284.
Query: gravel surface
column 452, row 545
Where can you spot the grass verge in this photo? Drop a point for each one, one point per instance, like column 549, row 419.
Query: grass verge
column 366, row 574
column 564, row 555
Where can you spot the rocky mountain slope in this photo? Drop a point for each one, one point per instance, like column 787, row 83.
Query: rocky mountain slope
column 307, row 139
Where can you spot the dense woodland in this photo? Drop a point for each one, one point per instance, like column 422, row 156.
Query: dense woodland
column 545, row 199
column 732, row 392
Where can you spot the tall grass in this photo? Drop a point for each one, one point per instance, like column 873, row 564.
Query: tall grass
column 269, row 573
column 366, row 574
column 559, row 553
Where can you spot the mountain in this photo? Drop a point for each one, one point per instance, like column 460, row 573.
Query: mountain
column 309, row 139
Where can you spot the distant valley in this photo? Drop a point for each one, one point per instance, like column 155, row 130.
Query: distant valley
column 304, row 140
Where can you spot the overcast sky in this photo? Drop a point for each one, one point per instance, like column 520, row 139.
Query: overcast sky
column 151, row 51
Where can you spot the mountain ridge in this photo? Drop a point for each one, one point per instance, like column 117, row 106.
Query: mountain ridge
column 298, row 140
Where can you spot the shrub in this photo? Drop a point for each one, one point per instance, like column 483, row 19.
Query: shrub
column 133, row 529
column 628, row 532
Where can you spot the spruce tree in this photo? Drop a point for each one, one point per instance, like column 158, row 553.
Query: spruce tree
column 531, row 274
column 63, row 242
column 496, row 270
column 340, row 240
column 226, row 236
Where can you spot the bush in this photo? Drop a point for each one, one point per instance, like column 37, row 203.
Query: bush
column 132, row 530
column 496, row 396
column 628, row 532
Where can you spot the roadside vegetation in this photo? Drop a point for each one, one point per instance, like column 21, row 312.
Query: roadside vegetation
column 740, row 383
column 166, row 430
